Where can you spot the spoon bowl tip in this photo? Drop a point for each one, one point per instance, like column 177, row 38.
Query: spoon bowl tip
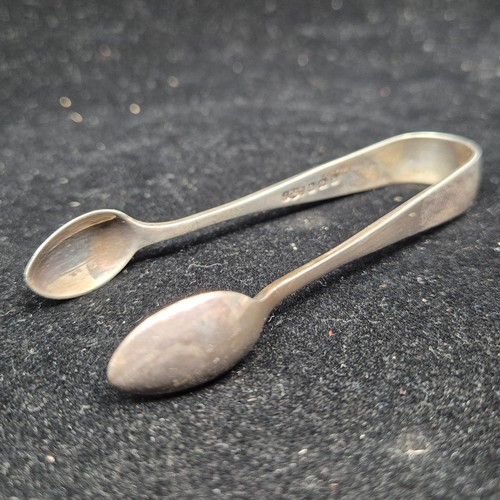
column 187, row 343
column 82, row 255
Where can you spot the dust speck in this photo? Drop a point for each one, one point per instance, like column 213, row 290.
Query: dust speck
column 429, row 45
column 173, row 82
column 237, row 67
column 411, row 452
column 105, row 51
column 134, row 108
column 385, row 92
column 65, row 102
column 302, row 60
column 76, row 117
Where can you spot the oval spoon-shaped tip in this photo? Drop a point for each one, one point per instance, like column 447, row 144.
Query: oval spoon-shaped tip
column 187, row 344
column 82, row 255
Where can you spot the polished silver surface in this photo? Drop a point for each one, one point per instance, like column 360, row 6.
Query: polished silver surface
column 188, row 343
column 90, row 250
column 199, row 338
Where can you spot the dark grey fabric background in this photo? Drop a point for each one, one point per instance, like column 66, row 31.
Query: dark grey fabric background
column 402, row 400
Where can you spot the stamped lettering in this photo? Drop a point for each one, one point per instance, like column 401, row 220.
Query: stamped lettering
column 312, row 187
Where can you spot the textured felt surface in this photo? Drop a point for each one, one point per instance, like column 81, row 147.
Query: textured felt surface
column 401, row 400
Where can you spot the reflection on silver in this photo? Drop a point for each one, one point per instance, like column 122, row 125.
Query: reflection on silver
column 199, row 338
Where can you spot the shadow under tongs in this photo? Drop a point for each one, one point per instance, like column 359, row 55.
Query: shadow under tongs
column 131, row 398
column 31, row 301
